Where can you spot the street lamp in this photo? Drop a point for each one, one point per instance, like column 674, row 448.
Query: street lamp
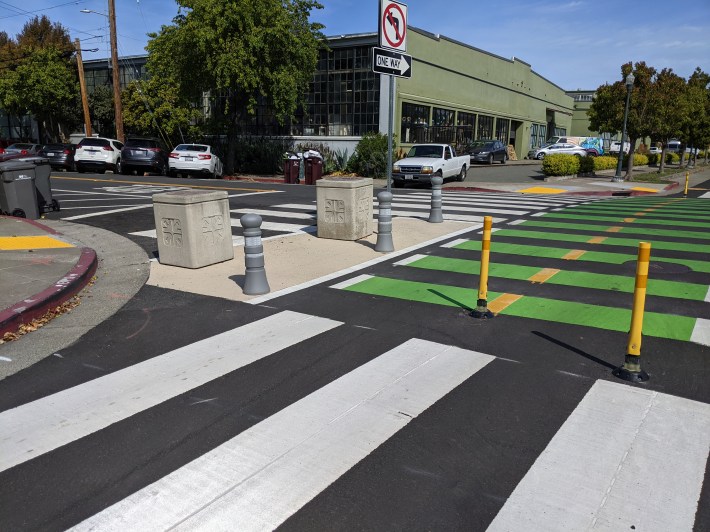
column 114, row 60
column 629, row 85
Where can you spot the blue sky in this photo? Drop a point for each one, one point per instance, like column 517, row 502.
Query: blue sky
column 575, row 44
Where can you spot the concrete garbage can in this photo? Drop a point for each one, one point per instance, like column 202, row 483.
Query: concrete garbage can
column 18, row 194
column 43, row 171
column 344, row 207
column 193, row 227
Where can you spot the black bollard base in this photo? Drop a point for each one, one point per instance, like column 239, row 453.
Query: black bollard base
column 631, row 370
column 481, row 312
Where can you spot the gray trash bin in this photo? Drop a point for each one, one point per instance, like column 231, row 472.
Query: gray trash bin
column 44, row 188
column 18, row 193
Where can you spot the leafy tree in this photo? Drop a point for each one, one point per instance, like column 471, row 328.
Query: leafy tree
column 244, row 52
column 38, row 77
column 669, row 109
column 101, row 107
column 696, row 132
column 154, row 107
column 606, row 114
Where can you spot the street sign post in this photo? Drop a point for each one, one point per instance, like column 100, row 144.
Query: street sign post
column 392, row 63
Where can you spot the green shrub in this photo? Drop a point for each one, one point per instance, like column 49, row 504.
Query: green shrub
column 654, row 158
column 672, row 157
column 259, row 155
column 560, row 164
column 586, row 165
column 640, row 159
column 370, row 156
column 605, row 162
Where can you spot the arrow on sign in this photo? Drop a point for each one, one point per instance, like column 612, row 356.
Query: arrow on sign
column 390, row 62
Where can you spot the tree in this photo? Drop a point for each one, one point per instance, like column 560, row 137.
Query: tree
column 696, row 130
column 242, row 51
column 38, row 77
column 101, row 107
column 669, row 109
column 154, row 107
column 606, row 114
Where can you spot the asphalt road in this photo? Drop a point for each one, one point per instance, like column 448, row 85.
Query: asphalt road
column 385, row 405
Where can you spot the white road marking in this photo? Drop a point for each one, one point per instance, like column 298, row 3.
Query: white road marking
column 483, row 208
column 261, row 477
column 38, row 427
column 537, row 214
column 707, row 296
column 705, row 196
column 112, row 211
column 350, row 282
column 278, row 214
column 450, row 216
column 410, row 260
column 455, row 243
column 625, row 458
column 456, row 201
column 701, row 332
column 518, row 222
column 277, row 226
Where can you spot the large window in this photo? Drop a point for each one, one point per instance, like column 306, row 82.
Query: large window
column 466, row 123
column 415, row 123
column 502, row 130
column 485, row 127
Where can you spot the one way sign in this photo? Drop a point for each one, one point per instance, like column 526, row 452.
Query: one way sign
column 393, row 63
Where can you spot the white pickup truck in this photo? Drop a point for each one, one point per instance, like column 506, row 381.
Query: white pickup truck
column 426, row 160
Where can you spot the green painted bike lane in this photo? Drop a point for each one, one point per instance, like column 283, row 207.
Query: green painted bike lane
column 638, row 220
column 567, row 312
column 625, row 213
column 587, row 256
column 595, row 281
column 605, row 229
column 603, row 240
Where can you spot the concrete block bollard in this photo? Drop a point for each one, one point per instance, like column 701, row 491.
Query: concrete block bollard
column 435, row 214
column 255, row 282
column 384, row 223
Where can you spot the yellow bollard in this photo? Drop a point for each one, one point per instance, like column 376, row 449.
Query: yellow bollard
column 686, row 184
column 631, row 370
column 481, row 310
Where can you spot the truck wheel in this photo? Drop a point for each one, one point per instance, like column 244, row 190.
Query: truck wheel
column 462, row 174
column 490, row 159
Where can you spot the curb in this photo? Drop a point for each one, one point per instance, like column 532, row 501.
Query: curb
column 61, row 291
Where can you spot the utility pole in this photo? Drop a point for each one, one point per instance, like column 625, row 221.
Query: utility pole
column 116, row 72
column 82, row 86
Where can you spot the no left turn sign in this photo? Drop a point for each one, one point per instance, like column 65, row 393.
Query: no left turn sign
column 393, row 25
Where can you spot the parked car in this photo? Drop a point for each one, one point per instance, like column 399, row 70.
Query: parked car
column 533, row 151
column 61, row 156
column 424, row 161
column 655, row 150
column 487, row 151
column 144, row 155
column 23, row 148
column 98, row 153
column 570, row 149
column 194, row 159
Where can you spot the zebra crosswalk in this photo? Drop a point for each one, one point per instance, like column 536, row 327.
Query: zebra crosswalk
column 621, row 457
column 294, row 218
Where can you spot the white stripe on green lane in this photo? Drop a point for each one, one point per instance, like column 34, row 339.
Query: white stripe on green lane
column 659, row 325
column 701, row 235
column 608, row 240
column 634, row 213
column 605, row 257
column 595, row 281
column 640, row 220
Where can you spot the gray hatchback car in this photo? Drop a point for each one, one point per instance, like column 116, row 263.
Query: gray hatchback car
column 144, row 155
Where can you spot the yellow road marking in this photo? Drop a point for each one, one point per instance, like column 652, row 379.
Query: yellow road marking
column 615, row 229
column 629, row 220
column 160, row 184
column 642, row 213
column 645, row 189
column 574, row 254
column 31, row 242
column 502, row 301
column 543, row 275
column 597, row 240
column 543, row 190
column 703, row 189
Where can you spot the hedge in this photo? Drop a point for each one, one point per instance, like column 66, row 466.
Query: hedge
column 605, row 162
column 560, row 164
column 672, row 157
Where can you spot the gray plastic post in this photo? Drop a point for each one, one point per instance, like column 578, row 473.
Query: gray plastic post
column 255, row 282
column 384, row 222
column 435, row 215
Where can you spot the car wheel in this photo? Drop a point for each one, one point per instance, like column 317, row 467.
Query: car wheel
column 80, row 169
column 490, row 159
column 172, row 173
column 462, row 174
column 504, row 159
column 118, row 168
column 540, row 156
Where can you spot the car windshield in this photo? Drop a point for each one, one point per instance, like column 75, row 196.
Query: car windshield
column 481, row 144
column 191, row 147
column 93, row 142
column 425, row 151
column 19, row 147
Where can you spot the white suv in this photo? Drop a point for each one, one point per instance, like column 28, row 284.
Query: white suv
column 98, row 153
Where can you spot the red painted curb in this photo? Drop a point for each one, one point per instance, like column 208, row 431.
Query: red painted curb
column 63, row 290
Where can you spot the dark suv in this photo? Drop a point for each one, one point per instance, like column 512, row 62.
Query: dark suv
column 144, row 155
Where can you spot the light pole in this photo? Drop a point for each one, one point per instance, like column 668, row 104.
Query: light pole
column 116, row 71
column 629, row 85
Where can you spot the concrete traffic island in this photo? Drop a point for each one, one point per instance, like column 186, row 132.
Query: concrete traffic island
column 193, row 227
column 344, row 207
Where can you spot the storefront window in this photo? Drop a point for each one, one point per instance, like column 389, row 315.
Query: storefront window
column 415, row 123
column 485, row 127
column 502, row 129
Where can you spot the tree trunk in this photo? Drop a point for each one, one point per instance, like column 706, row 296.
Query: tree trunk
column 662, row 166
column 682, row 155
column 630, row 163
